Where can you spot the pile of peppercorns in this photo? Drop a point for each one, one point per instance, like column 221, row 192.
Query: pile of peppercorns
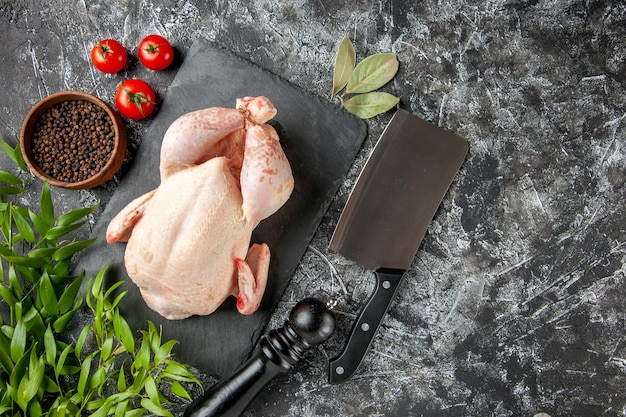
column 73, row 140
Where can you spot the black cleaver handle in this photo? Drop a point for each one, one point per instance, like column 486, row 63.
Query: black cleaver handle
column 310, row 323
column 365, row 327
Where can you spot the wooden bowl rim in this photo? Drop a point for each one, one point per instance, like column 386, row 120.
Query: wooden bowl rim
column 108, row 170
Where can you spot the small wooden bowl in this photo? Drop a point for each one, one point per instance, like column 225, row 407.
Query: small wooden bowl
column 116, row 156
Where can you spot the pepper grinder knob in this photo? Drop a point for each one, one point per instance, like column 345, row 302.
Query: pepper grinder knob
column 310, row 323
column 313, row 321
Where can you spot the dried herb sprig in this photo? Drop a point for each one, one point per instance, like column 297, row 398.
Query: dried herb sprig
column 362, row 79
column 42, row 371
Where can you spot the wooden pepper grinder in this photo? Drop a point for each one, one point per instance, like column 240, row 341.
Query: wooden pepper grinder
column 310, row 323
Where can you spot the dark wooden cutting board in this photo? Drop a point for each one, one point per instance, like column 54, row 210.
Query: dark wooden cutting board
column 320, row 140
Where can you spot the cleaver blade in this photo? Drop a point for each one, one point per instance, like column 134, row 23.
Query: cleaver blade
column 387, row 214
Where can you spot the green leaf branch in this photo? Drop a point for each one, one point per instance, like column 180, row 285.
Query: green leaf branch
column 362, row 79
column 108, row 369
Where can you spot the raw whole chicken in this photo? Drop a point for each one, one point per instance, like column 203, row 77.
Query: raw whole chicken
column 222, row 170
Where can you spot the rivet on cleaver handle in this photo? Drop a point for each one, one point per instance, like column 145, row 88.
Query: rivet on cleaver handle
column 387, row 214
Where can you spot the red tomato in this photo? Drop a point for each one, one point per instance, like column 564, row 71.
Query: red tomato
column 155, row 52
column 109, row 56
column 135, row 99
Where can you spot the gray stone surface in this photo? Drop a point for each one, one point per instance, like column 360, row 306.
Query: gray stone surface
column 516, row 302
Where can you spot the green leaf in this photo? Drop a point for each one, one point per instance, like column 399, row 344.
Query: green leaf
column 58, row 231
column 68, row 298
column 178, row 372
column 138, row 381
column 164, row 351
column 64, row 408
column 121, row 397
column 96, row 283
column 9, row 178
column 74, row 215
column 106, row 349
column 142, row 359
column 18, row 341
column 36, row 370
column 83, row 378
column 99, row 323
column 11, row 395
column 121, row 408
column 7, row 294
column 6, row 362
column 98, row 378
column 180, row 391
column 23, row 226
column 121, row 380
column 18, row 308
column 118, row 298
column 344, row 65
column 30, row 384
column 111, row 289
column 135, row 413
column 7, row 227
column 154, row 336
column 61, row 323
column 34, row 408
column 152, row 391
column 22, row 394
column 26, row 261
column 38, row 222
column 123, row 332
column 60, row 364
column 61, row 267
column 372, row 73
column 49, row 385
column 82, row 337
column 8, row 150
column 60, row 280
column 19, row 158
column 34, row 323
column 95, row 403
column 46, row 209
column 48, row 295
column 15, row 154
column 30, row 275
column 36, row 367
column 41, row 253
column 11, row 190
column 19, row 370
column 155, row 409
column 371, row 104
column 104, row 409
column 66, row 252
column 17, row 311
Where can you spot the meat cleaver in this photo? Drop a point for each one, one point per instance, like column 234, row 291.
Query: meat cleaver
column 387, row 214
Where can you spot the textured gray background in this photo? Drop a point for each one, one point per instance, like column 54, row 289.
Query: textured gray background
column 516, row 302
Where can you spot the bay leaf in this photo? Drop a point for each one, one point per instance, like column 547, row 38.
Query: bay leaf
column 344, row 65
column 370, row 104
column 372, row 73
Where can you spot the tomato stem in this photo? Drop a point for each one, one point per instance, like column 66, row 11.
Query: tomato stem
column 104, row 50
column 153, row 48
column 137, row 99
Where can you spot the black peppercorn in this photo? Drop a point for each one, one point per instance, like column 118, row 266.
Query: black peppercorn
column 70, row 135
